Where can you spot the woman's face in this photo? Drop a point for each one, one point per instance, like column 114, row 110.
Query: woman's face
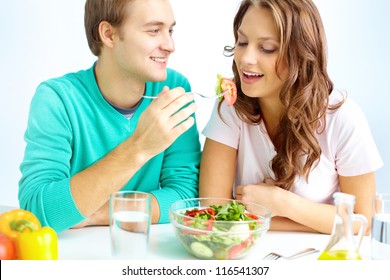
column 255, row 55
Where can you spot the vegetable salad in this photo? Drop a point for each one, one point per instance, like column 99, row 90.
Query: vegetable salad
column 219, row 232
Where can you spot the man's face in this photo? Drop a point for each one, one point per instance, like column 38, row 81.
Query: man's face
column 144, row 42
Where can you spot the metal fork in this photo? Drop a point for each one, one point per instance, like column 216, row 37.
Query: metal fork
column 275, row 256
column 197, row 93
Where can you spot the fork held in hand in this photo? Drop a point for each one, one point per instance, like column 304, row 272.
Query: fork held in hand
column 275, row 256
column 197, row 93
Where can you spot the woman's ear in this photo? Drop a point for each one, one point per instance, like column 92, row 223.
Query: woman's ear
column 106, row 33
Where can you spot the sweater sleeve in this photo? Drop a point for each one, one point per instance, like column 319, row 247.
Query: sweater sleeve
column 180, row 168
column 179, row 172
column 44, row 187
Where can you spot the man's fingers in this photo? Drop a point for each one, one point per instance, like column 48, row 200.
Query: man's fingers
column 183, row 127
column 167, row 97
column 182, row 115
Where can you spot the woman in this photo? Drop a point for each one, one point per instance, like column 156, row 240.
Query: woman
column 291, row 140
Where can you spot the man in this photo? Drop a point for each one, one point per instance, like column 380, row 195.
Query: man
column 91, row 133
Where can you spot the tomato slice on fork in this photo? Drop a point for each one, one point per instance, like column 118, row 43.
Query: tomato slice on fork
column 231, row 95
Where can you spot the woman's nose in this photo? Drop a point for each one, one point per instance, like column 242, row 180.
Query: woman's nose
column 248, row 56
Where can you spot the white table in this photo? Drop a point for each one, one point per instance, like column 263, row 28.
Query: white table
column 94, row 243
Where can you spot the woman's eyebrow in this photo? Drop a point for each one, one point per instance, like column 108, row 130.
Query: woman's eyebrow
column 263, row 38
column 241, row 33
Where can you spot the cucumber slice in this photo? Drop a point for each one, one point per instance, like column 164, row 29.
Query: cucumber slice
column 201, row 250
column 244, row 228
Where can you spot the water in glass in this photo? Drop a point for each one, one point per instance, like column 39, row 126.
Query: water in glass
column 129, row 234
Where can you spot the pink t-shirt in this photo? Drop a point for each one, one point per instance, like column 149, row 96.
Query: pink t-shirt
column 348, row 149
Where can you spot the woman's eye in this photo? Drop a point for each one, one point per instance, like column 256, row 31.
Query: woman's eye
column 267, row 50
column 241, row 44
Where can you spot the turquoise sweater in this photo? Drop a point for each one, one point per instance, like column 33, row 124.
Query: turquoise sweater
column 71, row 126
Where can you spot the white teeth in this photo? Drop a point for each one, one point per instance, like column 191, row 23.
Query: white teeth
column 252, row 74
column 158, row 59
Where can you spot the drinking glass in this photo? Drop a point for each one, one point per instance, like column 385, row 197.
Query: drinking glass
column 380, row 231
column 129, row 224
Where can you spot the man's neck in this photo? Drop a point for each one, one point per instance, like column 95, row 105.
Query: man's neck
column 119, row 90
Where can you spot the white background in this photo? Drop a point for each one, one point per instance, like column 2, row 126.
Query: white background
column 41, row 39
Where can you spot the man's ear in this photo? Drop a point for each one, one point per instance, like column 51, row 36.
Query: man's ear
column 106, row 33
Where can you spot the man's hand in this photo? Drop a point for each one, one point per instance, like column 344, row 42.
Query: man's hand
column 164, row 121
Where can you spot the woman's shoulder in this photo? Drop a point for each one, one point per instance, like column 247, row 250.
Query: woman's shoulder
column 347, row 116
column 349, row 137
column 344, row 103
column 337, row 96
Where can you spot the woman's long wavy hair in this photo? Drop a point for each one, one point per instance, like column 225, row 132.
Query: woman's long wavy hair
column 305, row 93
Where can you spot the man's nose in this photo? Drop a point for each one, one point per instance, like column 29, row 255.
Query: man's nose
column 168, row 44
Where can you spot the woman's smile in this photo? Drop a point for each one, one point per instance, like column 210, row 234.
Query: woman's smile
column 250, row 77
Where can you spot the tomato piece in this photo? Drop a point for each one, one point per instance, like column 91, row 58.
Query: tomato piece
column 237, row 250
column 256, row 222
column 193, row 213
column 7, row 248
column 204, row 224
column 231, row 95
column 252, row 216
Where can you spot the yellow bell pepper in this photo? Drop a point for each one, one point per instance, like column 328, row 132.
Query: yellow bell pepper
column 16, row 221
column 37, row 245
column 32, row 242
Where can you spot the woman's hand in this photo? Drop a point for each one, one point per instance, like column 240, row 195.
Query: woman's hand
column 266, row 194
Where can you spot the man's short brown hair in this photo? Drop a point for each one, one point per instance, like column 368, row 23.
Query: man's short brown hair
column 96, row 11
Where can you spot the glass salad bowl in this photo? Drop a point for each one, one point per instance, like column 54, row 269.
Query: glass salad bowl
column 216, row 228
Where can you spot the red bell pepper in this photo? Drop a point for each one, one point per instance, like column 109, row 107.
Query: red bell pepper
column 204, row 219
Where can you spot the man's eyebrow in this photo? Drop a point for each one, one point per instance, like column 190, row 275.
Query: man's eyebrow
column 158, row 23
